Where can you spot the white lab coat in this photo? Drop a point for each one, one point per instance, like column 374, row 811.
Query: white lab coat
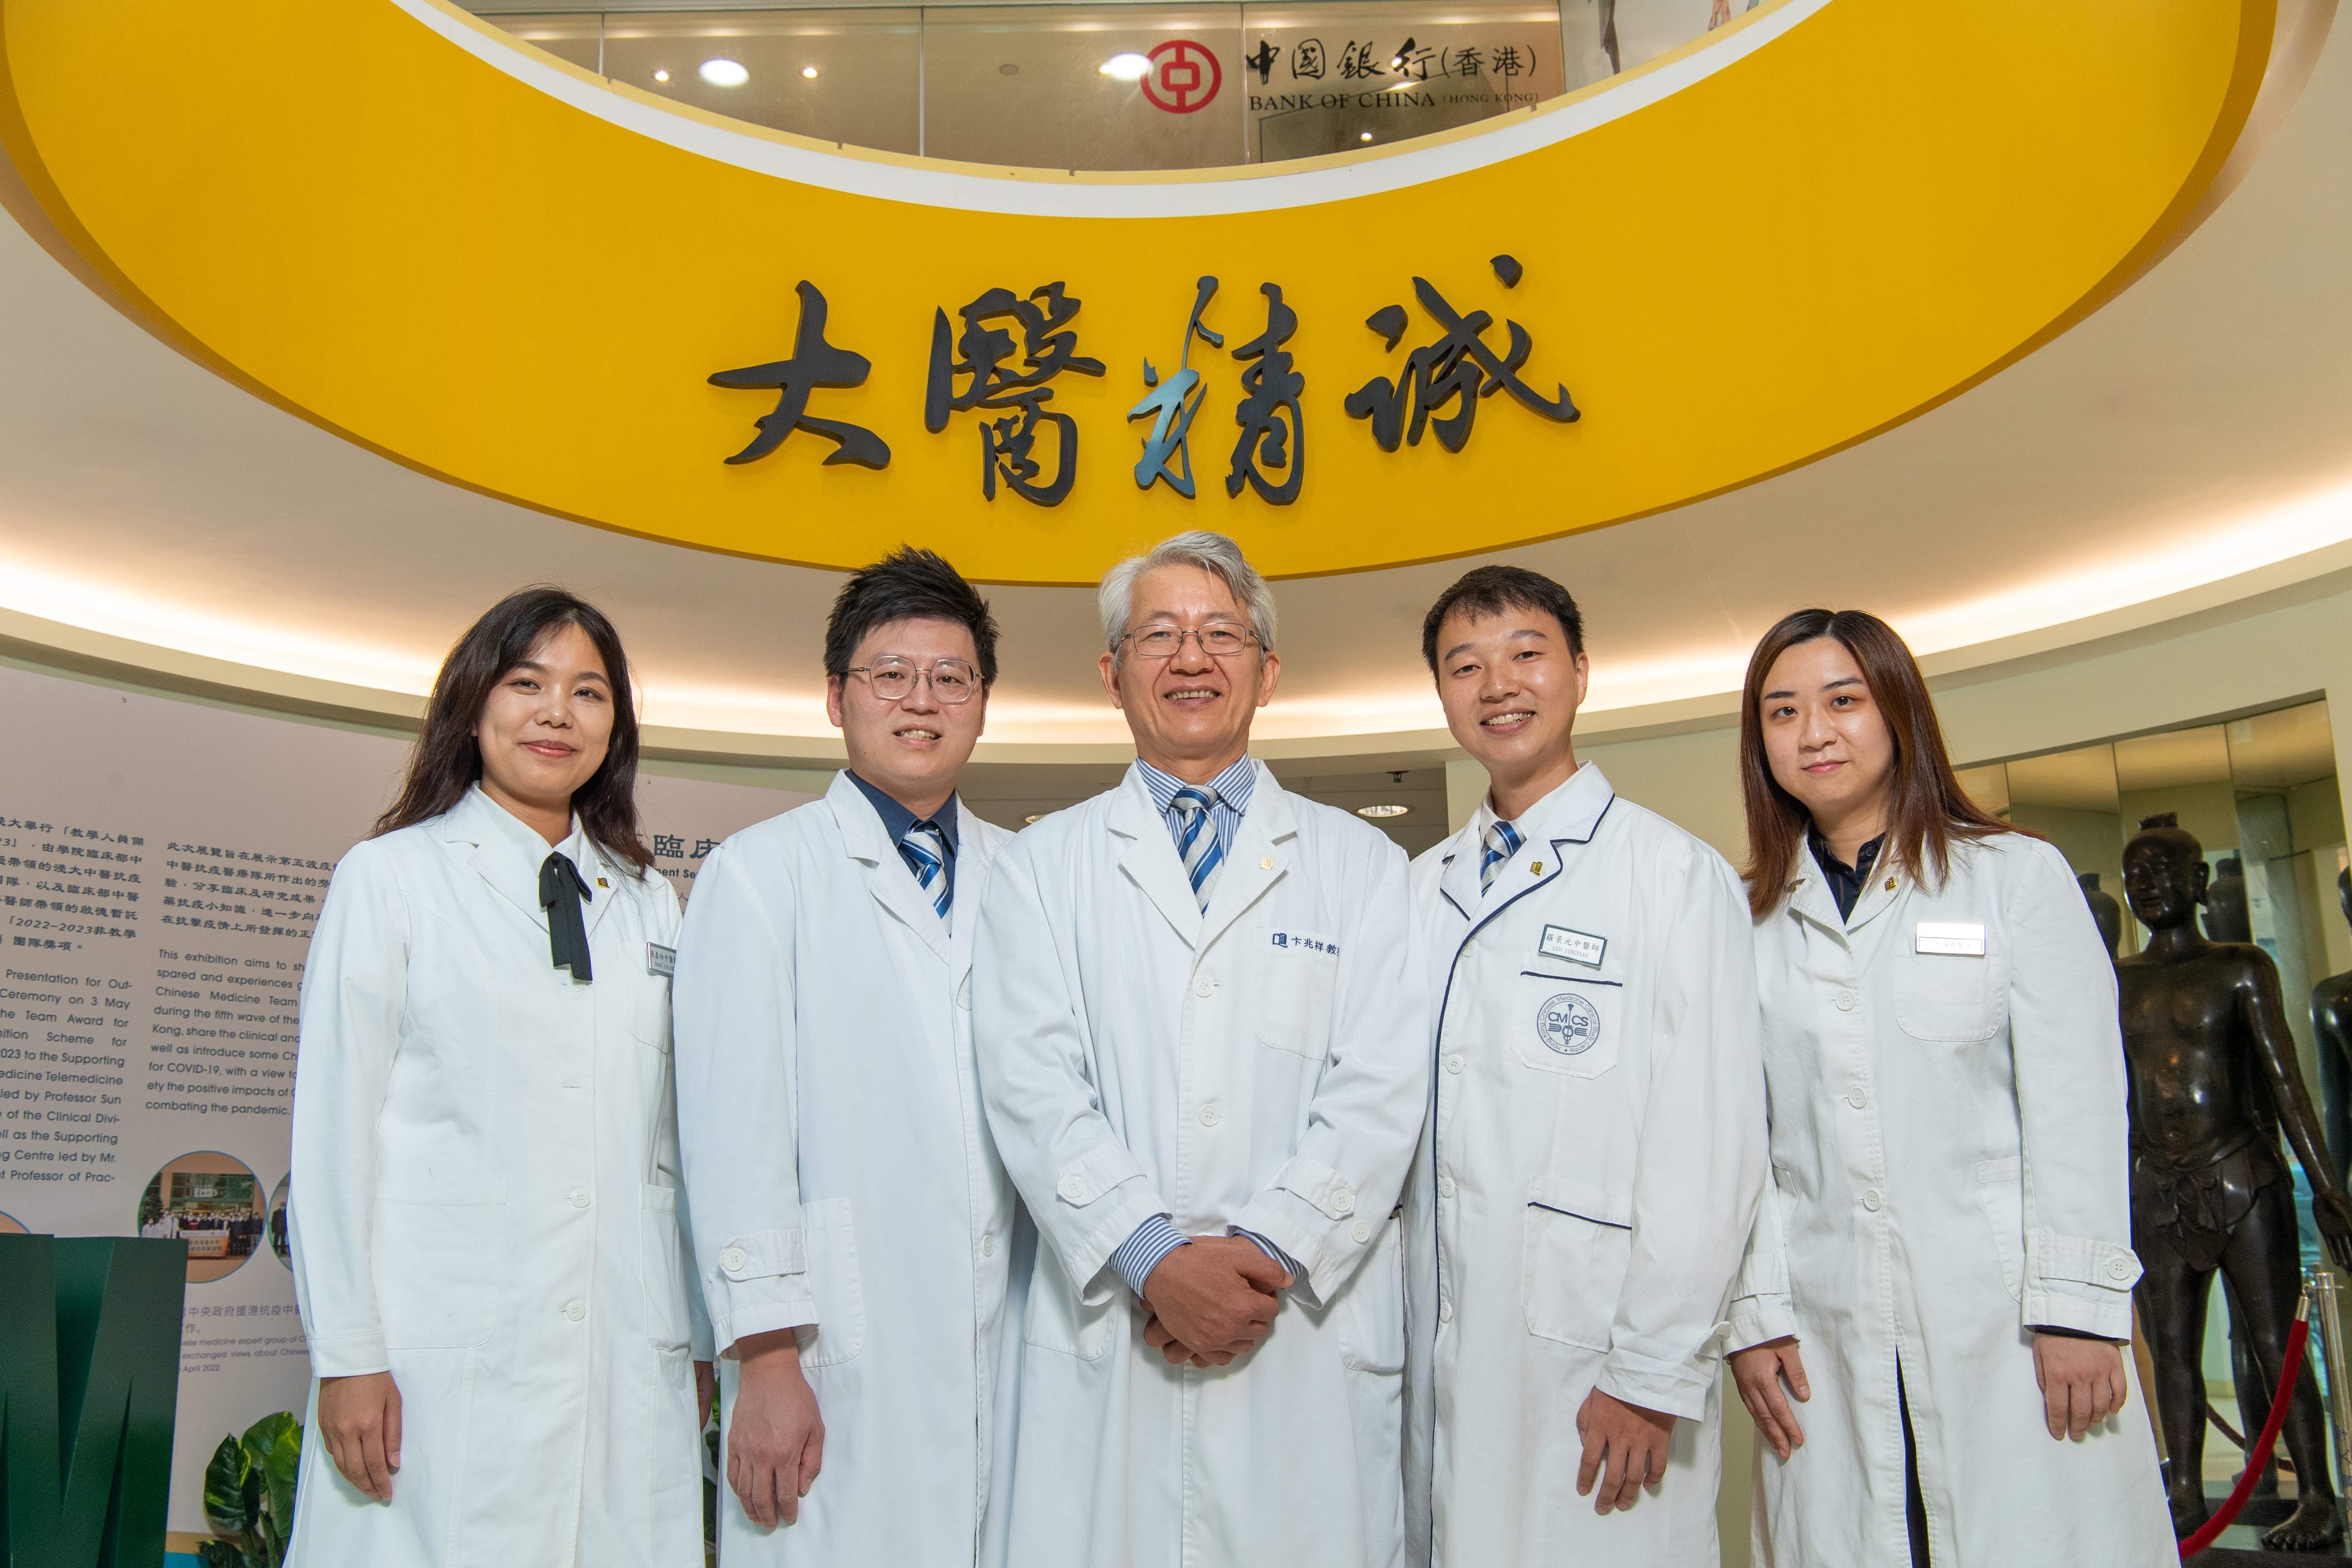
column 841, row 1175
column 1585, row 1183
column 1261, row 1065
column 1949, row 1167
column 485, row 1203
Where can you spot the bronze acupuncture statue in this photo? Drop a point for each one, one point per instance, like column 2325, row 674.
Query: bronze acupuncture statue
column 2105, row 910
column 2213, row 1082
column 2331, row 1021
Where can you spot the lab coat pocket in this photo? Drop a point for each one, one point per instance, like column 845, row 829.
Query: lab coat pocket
column 1371, row 1310
column 1949, row 996
column 2001, row 1191
column 1292, row 981
column 1579, row 1244
column 649, row 1013
column 666, row 1320
column 839, row 1332
column 1565, row 1024
column 440, row 1259
column 1058, row 1320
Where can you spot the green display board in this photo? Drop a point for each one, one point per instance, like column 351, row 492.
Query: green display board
column 90, row 1373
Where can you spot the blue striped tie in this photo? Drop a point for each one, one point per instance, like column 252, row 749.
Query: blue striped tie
column 1196, row 840
column 1502, row 841
column 926, row 854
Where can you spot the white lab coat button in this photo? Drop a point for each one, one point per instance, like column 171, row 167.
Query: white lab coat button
column 1856, row 1099
column 1453, row 1062
column 1446, row 1311
column 1211, row 1115
column 1446, row 1186
column 2119, row 1269
column 1362, row 1233
column 1343, row 1200
column 1845, row 1001
column 1204, row 986
column 988, row 1247
column 576, row 1311
column 580, row 1197
column 1470, row 948
column 1074, row 1187
column 1870, row 1200
column 731, row 1259
column 963, row 994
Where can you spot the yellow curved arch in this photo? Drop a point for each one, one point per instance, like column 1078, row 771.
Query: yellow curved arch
column 405, row 240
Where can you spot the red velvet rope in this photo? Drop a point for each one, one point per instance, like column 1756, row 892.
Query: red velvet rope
column 2212, row 1527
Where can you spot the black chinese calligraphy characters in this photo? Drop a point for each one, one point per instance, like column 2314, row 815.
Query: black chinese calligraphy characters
column 1261, row 60
column 1458, row 370
column 985, row 356
column 814, row 364
column 1274, row 430
column 1170, row 406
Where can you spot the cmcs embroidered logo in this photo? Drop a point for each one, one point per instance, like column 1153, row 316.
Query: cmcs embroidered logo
column 1568, row 1025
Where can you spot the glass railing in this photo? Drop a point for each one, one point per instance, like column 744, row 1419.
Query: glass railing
column 1118, row 86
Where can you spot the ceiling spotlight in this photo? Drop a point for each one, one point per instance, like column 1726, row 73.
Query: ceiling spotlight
column 1126, row 67
column 809, row 71
column 661, row 75
column 1034, row 816
column 1365, row 137
column 1382, row 810
column 724, row 73
column 1008, row 68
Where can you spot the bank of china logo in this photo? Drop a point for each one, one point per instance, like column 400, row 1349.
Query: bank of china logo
column 1568, row 1025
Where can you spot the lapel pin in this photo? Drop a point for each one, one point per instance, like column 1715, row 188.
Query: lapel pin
column 1890, row 884
column 602, row 883
column 1265, row 863
column 1536, row 869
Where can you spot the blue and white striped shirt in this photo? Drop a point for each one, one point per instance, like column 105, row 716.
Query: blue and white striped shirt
column 1157, row 1237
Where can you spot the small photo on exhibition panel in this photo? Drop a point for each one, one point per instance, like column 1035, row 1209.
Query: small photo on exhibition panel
column 213, row 1202
column 11, row 1225
column 279, row 1243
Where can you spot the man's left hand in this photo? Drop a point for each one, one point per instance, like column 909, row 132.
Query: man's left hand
column 2082, row 1380
column 1631, row 1439
column 1157, row 1335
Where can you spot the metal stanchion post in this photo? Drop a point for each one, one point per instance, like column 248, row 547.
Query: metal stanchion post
column 2327, row 1317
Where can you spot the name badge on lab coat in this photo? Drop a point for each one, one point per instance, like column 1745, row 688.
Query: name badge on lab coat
column 660, row 960
column 1966, row 939
column 1576, row 946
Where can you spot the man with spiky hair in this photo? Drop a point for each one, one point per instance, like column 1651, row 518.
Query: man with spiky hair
column 853, row 1228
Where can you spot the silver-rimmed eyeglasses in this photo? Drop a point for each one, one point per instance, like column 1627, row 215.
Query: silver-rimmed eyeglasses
column 1218, row 639
column 893, row 680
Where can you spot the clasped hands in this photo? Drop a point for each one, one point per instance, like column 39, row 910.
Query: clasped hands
column 1212, row 1300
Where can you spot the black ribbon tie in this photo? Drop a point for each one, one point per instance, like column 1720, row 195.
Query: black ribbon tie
column 560, row 893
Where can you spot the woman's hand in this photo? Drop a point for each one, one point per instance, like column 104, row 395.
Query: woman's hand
column 1757, row 1373
column 359, row 1417
column 2083, row 1381
column 776, row 1436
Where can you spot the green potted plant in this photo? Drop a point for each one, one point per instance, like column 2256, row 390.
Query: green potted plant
column 249, row 1494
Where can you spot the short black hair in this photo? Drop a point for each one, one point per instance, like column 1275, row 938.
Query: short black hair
column 907, row 584
column 1489, row 591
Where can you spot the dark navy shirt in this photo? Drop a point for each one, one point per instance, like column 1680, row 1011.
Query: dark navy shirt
column 897, row 822
column 1847, row 882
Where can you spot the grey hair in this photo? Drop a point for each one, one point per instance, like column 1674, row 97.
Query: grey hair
column 1214, row 553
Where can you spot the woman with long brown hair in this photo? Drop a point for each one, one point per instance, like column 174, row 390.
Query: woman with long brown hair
column 1942, row 1267
column 485, row 1239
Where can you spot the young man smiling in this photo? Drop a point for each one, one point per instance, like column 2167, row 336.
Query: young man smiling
column 855, row 1230
column 1594, row 1150
column 1201, row 1039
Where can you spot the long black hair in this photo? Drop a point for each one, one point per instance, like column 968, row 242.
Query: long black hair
column 447, row 760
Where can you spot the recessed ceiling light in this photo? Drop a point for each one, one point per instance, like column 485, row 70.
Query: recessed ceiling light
column 1034, row 816
column 1365, row 137
column 1126, row 67
column 724, row 73
column 1008, row 68
column 809, row 71
column 1382, row 810
column 661, row 75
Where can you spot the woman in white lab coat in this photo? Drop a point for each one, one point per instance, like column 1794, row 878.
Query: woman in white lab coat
column 486, row 1240
column 1941, row 1274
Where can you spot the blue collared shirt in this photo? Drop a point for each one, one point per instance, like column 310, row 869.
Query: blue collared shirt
column 1233, row 787
column 897, row 822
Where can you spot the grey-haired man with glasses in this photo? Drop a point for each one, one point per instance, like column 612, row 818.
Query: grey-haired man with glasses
column 1203, row 1047
column 855, row 1233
